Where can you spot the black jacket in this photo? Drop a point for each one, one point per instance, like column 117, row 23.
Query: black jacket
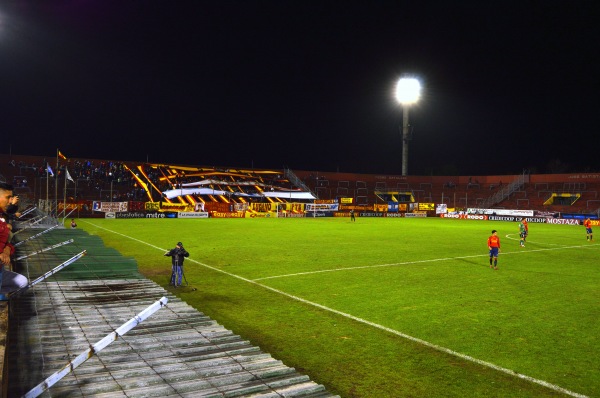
column 177, row 255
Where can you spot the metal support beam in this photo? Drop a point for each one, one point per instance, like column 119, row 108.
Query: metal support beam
column 35, row 236
column 45, row 249
column 49, row 273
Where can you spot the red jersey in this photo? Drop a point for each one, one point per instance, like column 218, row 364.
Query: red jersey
column 5, row 235
column 526, row 225
column 587, row 223
column 494, row 241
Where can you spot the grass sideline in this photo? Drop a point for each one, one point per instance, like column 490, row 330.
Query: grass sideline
column 392, row 307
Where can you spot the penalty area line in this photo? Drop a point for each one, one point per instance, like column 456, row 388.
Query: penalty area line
column 436, row 347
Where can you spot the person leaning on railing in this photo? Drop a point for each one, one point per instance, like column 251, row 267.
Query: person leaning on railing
column 12, row 211
column 9, row 280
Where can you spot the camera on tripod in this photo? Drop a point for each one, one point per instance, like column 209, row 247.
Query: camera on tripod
column 177, row 254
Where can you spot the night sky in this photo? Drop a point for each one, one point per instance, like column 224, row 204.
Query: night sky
column 309, row 85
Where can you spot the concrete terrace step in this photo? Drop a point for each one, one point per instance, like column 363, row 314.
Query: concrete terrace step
column 178, row 351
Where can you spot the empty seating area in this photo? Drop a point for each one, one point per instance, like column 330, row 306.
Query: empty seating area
column 459, row 192
column 534, row 195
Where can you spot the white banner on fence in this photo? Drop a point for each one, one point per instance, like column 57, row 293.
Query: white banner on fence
column 501, row 212
column 191, row 214
column 321, row 207
column 109, row 206
column 415, row 215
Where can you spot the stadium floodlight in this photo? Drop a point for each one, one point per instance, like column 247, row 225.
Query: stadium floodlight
column 408, row 91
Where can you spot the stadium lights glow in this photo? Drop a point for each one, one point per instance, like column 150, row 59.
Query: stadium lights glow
column 408, row 92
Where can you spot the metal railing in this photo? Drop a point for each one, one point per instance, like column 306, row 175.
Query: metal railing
column 293, row 178
column 504, row 192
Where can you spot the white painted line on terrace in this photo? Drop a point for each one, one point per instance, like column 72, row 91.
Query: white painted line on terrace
column 448, row 351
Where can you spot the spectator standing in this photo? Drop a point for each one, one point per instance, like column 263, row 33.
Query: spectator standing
column 9, row 281
column 12, row 211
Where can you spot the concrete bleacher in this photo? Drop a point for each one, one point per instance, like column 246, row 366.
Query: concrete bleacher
column 464, row 191
column 459, row 195
column 534, row 195
column 178, row 351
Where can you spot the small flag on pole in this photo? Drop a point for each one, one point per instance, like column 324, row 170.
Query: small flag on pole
column 69, row 175
column 60, row 155
column 49, row 169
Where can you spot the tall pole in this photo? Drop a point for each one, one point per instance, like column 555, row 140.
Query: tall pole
column 65, row 198
column 56, row 186
column 76, row 199
column 408, row 91
column 405, row 139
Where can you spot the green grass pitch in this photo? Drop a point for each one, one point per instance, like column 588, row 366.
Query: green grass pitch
column 392, row 307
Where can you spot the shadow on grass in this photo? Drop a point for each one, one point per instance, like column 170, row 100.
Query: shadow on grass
column 481, row 261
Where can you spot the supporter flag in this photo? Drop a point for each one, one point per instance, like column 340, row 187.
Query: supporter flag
column 49, row 169
column 60, row 155
column 68, row 175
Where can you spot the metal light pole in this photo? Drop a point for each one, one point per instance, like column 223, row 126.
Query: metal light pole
column 405, row 139
column 408, row 91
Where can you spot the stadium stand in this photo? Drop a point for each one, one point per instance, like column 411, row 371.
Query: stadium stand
column 137, row 182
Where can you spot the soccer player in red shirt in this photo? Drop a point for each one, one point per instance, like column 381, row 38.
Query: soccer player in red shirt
column 588, row 229
column 494, row 246
column 524, row 221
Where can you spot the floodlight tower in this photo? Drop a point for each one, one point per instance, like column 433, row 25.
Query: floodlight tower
column 408, row 91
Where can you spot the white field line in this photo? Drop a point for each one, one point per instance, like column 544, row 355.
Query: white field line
column 431, row 260
column 448, row 351
column 510, row 236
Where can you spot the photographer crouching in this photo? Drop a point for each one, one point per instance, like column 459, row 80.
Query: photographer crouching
column 177, row 254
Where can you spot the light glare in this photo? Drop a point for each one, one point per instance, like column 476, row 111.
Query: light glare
column 408, row 90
